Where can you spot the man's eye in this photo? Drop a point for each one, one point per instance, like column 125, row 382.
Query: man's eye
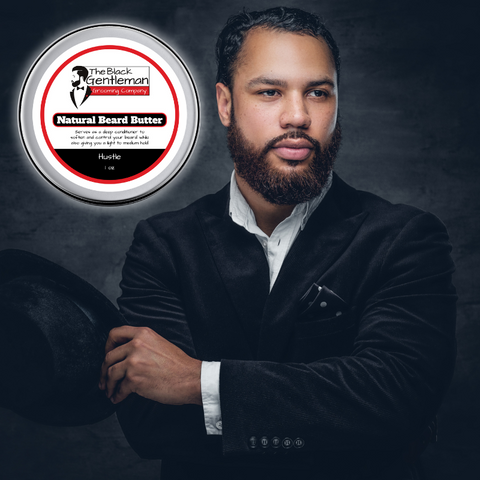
column 318, row 93
column 269, row 93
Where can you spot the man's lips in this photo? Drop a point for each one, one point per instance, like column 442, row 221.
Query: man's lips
column 293, row 149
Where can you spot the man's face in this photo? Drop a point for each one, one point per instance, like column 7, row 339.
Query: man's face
column 282, row 115
column 76, row 79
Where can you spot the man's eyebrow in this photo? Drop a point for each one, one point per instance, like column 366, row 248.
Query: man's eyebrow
column 267, row 81
column 282, row 83
column 321, row 81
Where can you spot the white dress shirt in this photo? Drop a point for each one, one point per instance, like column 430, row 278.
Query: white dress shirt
column 276, row 247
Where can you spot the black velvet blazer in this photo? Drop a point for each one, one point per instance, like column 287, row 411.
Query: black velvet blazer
column 336, row 382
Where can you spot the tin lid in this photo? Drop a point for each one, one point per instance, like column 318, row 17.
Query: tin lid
column 109, row 114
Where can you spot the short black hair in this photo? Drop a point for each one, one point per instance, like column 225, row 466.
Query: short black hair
column 294, row 20
column 82, row 71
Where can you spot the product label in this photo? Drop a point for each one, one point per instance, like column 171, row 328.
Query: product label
column 113, row 114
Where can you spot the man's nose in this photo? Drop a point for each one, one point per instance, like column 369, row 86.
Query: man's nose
column 295, row 113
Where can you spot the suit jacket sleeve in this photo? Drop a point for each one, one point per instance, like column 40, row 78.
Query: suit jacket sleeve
column 389, row 387
column 151, row 298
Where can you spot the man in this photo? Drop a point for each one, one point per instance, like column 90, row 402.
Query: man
column 81, row 91
column 288, row 326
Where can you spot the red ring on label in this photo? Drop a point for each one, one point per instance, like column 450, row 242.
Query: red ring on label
column 109, row 47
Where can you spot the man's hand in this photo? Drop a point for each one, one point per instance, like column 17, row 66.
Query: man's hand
column 138, row 360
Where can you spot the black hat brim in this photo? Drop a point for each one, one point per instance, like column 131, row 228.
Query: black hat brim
column 100, row 316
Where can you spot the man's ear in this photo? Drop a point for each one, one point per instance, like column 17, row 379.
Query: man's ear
column 224, row 103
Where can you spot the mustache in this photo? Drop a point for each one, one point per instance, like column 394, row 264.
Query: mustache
column 292, row 134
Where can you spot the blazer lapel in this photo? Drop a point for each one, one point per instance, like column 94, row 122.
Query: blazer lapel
column 329, row 231
column 72, row 96
column 243, row 268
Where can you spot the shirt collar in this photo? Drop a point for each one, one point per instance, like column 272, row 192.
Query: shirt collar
column 243, row 215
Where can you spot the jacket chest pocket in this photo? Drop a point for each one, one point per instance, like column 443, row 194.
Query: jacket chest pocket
column 318, row 338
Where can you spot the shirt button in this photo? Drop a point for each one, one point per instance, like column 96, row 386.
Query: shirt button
column 219, row 425
column 287, row 443
column 275, row 442
column 299, row 442
column 264, row 442
column 323, row 304
column 252, row 442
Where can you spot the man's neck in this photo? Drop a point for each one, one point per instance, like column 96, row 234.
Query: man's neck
column 267, row 215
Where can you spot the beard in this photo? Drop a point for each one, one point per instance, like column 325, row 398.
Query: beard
column 275, row 186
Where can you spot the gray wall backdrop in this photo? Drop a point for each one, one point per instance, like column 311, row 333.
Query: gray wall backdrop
column 409, row 100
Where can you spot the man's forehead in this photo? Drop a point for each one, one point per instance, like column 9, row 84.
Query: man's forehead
column 266, row 48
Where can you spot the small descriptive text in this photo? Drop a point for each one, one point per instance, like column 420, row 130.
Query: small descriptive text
column 96, row 138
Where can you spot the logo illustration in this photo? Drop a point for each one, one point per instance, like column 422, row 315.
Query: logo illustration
column 81, row 91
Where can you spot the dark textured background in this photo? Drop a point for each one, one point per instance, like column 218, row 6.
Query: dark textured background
column 409, row 100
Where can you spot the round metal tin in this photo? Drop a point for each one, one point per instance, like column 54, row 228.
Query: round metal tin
column 109, row 114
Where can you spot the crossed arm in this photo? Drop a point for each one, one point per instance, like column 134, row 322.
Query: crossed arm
column 138, row 360
column 391, row 383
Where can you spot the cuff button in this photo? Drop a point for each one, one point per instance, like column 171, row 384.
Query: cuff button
column 252, row 442
column 299, row 442
column 275, row 442
column 264, row 442
column 287, row 443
